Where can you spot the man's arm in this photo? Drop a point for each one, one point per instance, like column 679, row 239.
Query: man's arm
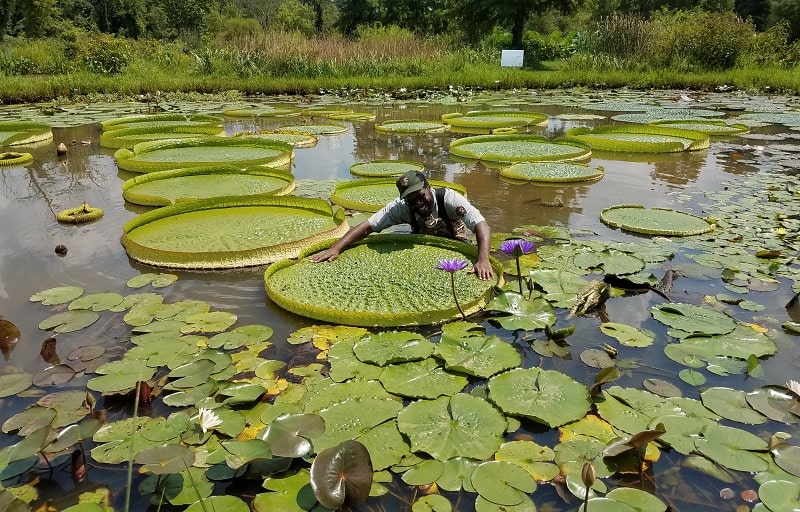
column 354, row 234
column 482, row 267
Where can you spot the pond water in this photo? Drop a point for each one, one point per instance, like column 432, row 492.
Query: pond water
column 30, row 197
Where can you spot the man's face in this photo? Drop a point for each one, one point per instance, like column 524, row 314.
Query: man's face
column 420, row 202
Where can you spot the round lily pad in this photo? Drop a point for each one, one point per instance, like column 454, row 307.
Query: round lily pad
column 370, row 195
column 10, row 159
column 556, row 172
column 411, row 126
column 709, row 126
column 163, row 120
column 262, row 111
column 57, row 295
column 18, row 133
column 230, row 232
column 490, row 119
column 314, row 129
column 176, row 154
column 517, row 148
column 129, row 137
column 654, row 221
column 638, row 138
column 296, row 139
column 383, row 168
column 167, row 187
column 386, row 280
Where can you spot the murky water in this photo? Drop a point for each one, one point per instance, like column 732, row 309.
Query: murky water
column 30, row 197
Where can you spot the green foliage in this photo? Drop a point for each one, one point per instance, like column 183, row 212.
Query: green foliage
column 294, row 15
column 788, row 10
column 106, row 54
column 553, row 46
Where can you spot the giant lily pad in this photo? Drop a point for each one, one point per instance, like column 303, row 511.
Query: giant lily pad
column 372, row 194
column 18, row 133
column 638, row 138
column 163, row 120
column 712, row 127
column 12, row 158
column 457, row 426
column 516, row 148
column 129, row 137
column 654, row 221
column 362, row 286
column 383, row 168
column 262, row 111
column 551, row 172
column 175, row 154
column 230, row 232
column 489, row 119
column 545, row 396
column 410, row 126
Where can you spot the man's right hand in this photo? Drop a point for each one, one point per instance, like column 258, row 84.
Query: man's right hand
column 326, row 255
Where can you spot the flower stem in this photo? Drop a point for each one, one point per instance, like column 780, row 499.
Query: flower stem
column 519, row 276
column 455, row 297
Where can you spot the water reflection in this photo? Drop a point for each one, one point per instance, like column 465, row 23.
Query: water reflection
column 31, row 196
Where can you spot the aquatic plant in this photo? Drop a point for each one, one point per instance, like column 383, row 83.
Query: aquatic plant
column 452, row 266
column 517, row 248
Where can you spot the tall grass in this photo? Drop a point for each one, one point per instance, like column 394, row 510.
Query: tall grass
column 616, row 51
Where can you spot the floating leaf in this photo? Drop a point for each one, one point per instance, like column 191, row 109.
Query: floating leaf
column 628, row 335
column 342, row 475
column 461, row 425
column 164, row 459
column 59, row 295
column 780, row 495
column 693, row 319
column 787, row 457
column 545, row 396
column 731, row 404
column 481, row 356
column 392, row 347
column 14, row 383
column 96, row 301
column 503, row 483
column 421, row 379
column 520, row 313
column 288, row 435
column 69, row 321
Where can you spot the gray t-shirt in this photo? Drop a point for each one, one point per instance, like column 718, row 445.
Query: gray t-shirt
column 459, row 210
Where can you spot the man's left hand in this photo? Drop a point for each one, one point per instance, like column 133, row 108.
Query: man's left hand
column 483, row 270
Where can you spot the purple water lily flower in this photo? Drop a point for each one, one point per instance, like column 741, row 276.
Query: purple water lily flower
column 452, row 266
column 517, row 248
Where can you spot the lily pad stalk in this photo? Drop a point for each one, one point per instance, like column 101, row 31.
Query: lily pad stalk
column 452, row 266
column 517, row 248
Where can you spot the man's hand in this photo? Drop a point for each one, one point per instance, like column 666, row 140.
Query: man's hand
column 483, row 270
column 326, row 255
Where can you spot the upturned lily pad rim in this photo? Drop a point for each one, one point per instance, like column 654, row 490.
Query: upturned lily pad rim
column 27, row 132
column 336, row 197
column 128, row 137
column 11, row 158
column 391, row 126
column 389, row 319
column 125, row 122
column 244, row 258
column 608, row 213
column 713, row 127
column 154, row 200
column 572, row 151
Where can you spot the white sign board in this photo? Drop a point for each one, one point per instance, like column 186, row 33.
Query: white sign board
column 512, row 58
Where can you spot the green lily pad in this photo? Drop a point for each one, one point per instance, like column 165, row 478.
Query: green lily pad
column 693, row 319
column 481, row 356
column 545, row 396
column 625, row 499
column 638, row 138
column 14, row 383
column 654, row 221
column 731, row 447
column 370, row 195
column 183, row 153
column 432, row 503
column 628, row 335
column 120, row 376
column 424, row 473
column 421, row 379
column 519, row 313
column 383, row 168
column 457, row 426
column 611, row 261
column 288, row 435
column 489, row 119
column 516, row 148
column 345, row 365
column 731, row 404
column 314, row 129
column 780, row 495
column 410, row 126
column 361, row 288
column 226, row 503
column 158, row 280
column 69, row 321
column 96, row 302
column 164, row 459
column 551, row 172
column 457, row 474
column 354, row 418
column 168, row 187
column 392, row 347
column 503, row 483
column 534, row 458
column 249, row 231
column 58, row 295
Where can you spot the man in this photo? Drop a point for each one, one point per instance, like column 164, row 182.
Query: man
column 441, row 212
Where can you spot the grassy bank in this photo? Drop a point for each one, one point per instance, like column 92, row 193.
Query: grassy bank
column 81, row 85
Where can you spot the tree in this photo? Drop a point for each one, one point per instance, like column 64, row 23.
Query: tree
column 353, row 13
column 756, row 10
column 479, row 17
column 419, row 16
column 39, row 17
column 788, row 10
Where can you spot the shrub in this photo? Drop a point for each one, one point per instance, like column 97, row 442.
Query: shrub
column 106, row 54
column 539, row 47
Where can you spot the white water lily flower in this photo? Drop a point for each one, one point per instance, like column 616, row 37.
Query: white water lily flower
column 794, row 386
column 208, row 419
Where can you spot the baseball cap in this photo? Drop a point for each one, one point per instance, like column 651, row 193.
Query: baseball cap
column 410, row 182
